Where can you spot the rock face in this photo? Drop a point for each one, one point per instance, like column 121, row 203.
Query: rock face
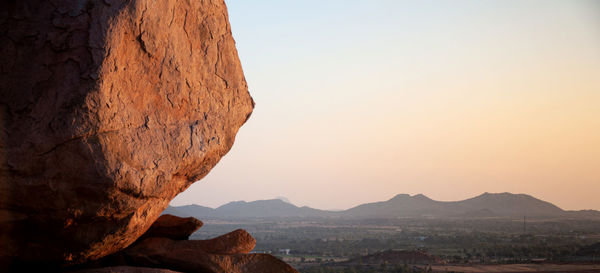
column 108, row 109
column 173, row 227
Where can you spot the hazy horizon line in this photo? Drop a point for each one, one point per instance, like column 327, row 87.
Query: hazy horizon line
column 286, row 200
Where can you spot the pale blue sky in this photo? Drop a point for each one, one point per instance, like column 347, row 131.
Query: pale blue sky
column 360, row 100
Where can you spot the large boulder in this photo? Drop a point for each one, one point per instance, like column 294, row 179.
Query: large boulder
column 108, row 110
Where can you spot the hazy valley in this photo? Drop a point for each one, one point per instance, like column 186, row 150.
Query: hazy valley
column 490, row 232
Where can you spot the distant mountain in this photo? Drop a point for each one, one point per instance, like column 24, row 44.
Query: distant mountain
column 197, row 211
column 505, row 205
column 485, row 205
column 257, row 209
column 589, row 214
column 268, row 209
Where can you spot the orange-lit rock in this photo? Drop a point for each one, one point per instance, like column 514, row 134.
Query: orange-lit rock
column 108, row 109
column 235, row 242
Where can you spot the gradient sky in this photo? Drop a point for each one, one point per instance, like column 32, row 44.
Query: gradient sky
column 357, row 101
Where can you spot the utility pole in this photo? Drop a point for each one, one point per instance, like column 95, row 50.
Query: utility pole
column 524, row 224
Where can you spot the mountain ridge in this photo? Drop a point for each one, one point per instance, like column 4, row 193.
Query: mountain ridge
column 486, row 205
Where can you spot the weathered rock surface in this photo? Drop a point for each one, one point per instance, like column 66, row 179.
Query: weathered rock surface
column 108, row 109
column 173, row 227
column 190, row 256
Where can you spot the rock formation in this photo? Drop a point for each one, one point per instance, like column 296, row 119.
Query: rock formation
column 228, row 253
column 108, row 109
column 184, row 259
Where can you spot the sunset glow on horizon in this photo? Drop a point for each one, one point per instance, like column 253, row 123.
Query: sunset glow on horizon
column 357, row 101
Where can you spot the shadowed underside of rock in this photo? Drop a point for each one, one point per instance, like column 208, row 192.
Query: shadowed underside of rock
column 108, row 109
column 173, row 227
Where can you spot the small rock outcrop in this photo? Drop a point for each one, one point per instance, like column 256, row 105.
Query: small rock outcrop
column 108, row 110
column 229, row 253
column 173, row 227
column 235, row 242
column 190, row 261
